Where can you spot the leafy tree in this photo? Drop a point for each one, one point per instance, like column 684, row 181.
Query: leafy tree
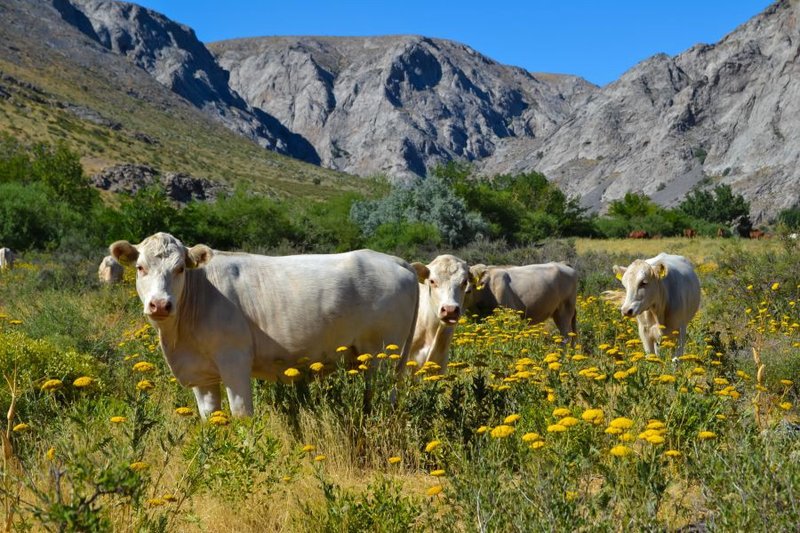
column 721, row 205
column 790, row 218
column 60, row 170
column 29, row 218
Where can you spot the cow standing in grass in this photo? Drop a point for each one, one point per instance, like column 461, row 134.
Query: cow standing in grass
column 443, row 284
column 109, row 271
column 543, row 291
column 663, row 293
column 224, row 317
column 6, row 258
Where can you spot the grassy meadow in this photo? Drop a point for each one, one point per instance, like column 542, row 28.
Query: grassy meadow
column 522, row 433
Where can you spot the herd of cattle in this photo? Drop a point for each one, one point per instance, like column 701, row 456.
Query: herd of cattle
column 225, row 317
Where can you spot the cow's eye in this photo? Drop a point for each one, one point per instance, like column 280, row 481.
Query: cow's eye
column 643, row 283
column 433, row 283
column 179, row 270
column 464, row 284
column 141, row 270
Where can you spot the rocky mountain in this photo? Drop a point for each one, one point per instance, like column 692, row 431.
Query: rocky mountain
column 722, row 113
column 62, row 81
column 396, row 105
column 173, row 55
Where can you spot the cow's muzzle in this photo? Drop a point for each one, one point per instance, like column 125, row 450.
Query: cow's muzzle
column 449, row 314
column 159, row 309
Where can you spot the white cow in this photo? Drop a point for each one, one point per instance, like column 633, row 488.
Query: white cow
column 443, row 284
column 548, row 290
column 224, row 317
column 109, row 271
column 663, row 293
column 6, row 258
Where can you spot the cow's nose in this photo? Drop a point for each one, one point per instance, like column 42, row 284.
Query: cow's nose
column 628, row 311
column 450, row 311
column 161, row 306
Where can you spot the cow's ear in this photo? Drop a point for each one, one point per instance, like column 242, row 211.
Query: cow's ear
column 619, row 271
column 477, row 272
column 124, row 252
column 661, row 270
column 423, row 272
column 198, row 255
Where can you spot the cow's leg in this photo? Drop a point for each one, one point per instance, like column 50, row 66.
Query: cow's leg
column 679, row 347
column 235, row 374
column 647, row 339
column 208, row 399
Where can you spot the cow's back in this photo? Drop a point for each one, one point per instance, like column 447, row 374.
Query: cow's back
column 294, row 307
column 682, row 286
column 543, row 288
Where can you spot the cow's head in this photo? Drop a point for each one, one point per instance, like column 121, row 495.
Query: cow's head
column 478, row 278
column 447, row 279
column 160, row 261
column 642, row 285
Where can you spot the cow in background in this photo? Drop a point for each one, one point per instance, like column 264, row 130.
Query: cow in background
column 109, row 271
column 638, row 234
column 7, row 258
column 542, row 291
column 662, row 292
column 226, row 317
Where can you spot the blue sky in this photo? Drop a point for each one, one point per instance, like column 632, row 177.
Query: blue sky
column 598, row 39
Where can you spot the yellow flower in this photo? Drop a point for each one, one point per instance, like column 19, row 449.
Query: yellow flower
column 627, row 437
column 22, row 426
column 143, row 366
column 785, row 405
column 775, row 286
column 352, row 372
column 535, row 445
column 560, row 412
column 342, row 349
column 432, row 445
column 655, row 439
column 666, row 378
column 510, row 419
column 156, row 502
column 655, row 424
column 556, row 428
column 145, row 385
column 218, row 418
column 308, row 448
column 395, row 356
column 613, row 431
column 437, row 473
column 83, row 381
column 52, row 384
column 118, row 419
column 394, row 460
column 706, row 435
column 184, row 411
column 621, row 423
column 568, row 421
column 433, row 491
column 316, row 367
column 787, row 382
column 138, row 465
column 50, row 454
column 483, row 429
column 672, row 453
column 291, row 372
column 502, row 431
column 364, row 357
column 620, row 451
column 529, row 437
column 595, row 416
column 392, row 347
column 320, row 457
column 570, row 495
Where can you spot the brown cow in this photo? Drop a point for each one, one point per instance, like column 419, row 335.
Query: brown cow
column 689, row 233
column 757, row 234
column 638, row 234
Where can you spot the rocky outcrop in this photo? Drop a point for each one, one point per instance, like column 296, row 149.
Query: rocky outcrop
column 722, row 113
column 181, row 188
column 397, row 105
column 173, row 55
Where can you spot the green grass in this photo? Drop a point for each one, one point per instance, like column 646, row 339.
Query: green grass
column 311, row 459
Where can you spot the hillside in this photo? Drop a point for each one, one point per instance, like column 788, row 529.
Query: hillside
column 59, row 85
column 721, row 113
column 396, row 105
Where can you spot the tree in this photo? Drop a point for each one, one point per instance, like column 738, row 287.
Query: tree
column 719, row 206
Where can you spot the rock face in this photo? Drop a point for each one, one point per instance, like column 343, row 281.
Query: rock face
column 181, row 188
column 723, row 113
column 396, row 105
column 173, row 55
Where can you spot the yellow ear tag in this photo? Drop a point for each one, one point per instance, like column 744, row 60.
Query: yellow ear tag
column 662, row 272
column 618, row 276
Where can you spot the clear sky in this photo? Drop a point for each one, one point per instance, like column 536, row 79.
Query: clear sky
column 596, row 39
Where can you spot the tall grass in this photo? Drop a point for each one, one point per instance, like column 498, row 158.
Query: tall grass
column 523, row 431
